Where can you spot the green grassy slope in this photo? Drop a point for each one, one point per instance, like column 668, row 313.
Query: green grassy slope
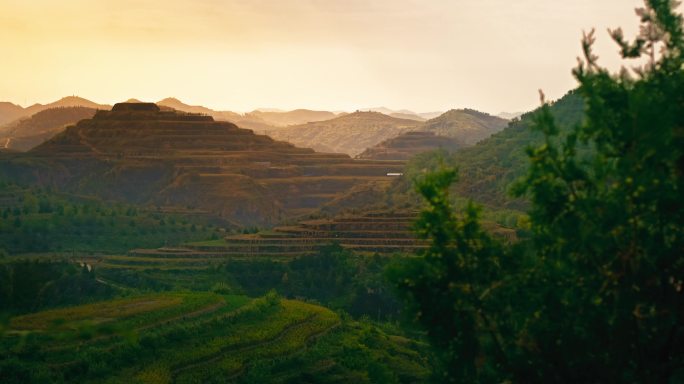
column 487, row 169
column 182, row 337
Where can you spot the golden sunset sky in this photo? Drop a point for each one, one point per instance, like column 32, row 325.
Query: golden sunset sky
column 423, row 55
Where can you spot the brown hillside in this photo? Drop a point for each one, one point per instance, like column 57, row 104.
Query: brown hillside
column 9, row 112
column 467, row 125
column 69, row 101
column 25, row 134
column 408, row 144
column 350, row 134
column 141, row 154
column 252, row 121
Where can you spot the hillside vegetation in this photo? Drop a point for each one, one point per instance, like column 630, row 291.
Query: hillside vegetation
column 41, row 220
column 409, row 144
column 183, row 337
column 467, row 125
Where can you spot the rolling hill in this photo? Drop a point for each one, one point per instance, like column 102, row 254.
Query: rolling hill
column 192, row 337
column 27, row 133
column 467, row 125
column 409, row 144
column 257, row 120
column 139, row 154
column 350, row 134
column 10, row 112
column 486, row 170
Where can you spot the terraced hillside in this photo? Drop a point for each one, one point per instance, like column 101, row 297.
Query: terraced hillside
column 140, row 154
column 409, row 144
column 350, row 134
column 375, row 232
column 187, row 338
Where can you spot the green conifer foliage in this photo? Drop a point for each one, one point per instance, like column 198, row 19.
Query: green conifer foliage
column 597, row 293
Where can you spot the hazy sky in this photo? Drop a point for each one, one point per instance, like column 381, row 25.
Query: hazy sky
column 423, row 55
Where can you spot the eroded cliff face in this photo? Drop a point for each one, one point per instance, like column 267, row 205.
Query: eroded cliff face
column 138, row 153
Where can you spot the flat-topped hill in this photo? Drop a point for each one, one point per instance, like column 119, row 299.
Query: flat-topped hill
column 138, row 153
column 408, row 144
column 350, row 134
column 135, row 106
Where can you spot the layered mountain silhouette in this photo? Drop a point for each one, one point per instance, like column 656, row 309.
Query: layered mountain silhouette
column 486, row 170
column 139, row 153
column 350, row 134
column 258, row 120
column 450, row 131
column 403, row 113
column 356, row 132
column 322, row 130
column 409, row 116
column 10, row 112
column 26, row 133
column 297, row 116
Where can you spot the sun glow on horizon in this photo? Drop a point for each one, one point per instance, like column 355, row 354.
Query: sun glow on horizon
column 491, row 55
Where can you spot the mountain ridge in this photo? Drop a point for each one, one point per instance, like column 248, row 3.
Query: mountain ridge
column 350, row 134
column 140, row 154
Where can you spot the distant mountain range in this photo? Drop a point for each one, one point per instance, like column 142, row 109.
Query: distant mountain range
column 350, row 134
column 510, row 115
column 10, row 112
column 26, row 133
column 140, row 153
column 298, row 116
column 19, row 131
column 356, row 132
column 404, row 113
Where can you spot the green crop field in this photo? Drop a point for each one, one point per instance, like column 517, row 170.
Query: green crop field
column 186, row 337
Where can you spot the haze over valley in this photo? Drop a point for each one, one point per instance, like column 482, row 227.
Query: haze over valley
column 319, row 191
